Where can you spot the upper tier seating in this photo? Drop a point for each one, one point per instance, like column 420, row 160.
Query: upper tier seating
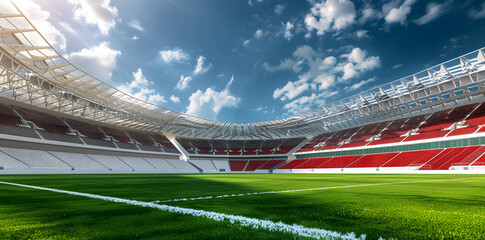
column 53, row 128
column 428, row 126
column 11, row 124
column 93, row 135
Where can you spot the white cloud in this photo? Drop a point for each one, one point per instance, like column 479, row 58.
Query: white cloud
column 284, row 64
column 250, row 2
column 258, row 34
column 474, row 14
column 139, row 88
column 292, row 89
column 199, row 67
column 278, row 9
column 174, row 99
column 246, row 43
column 369, row 14
column 67, row 27
column 359, row 62
column 322, row 72
column 209, row 103
column 134, row 37
column 287, row 31
column 174, row 55
column 357, row 85
column 97, row 12
column 397, row 66
column 99, row 60
column 136, row 25
column 433, row 11
column 183, row 83
column 362, row 34
column 40, row 19
column 397, row 14
column 305, row 103
column 330, row 15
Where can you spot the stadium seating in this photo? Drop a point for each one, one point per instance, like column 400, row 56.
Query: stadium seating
column 413, row 158
column 339, row 162
column 372, row 160
column 7, row 162
column 312, row 163
column 254, row 164
column 271, row 164
column 205, row 165
column 238, row 165
column 36, row 158
column 222, row 165
column 78, row 161
column 53, row 128
column 11, row 124
column 112, row 162
column 471, row 156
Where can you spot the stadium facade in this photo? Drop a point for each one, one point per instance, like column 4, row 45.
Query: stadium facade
column 57, row 118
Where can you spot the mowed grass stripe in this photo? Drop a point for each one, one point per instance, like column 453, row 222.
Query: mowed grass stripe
column 298, row 230
column 307, row 189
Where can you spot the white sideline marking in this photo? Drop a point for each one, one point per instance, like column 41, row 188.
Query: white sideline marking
column 301, row 190
column 245, row 221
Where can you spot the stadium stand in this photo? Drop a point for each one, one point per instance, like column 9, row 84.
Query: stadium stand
column 12, row 124
column 57, row 116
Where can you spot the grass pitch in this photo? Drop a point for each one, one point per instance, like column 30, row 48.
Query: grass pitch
column 451, row 208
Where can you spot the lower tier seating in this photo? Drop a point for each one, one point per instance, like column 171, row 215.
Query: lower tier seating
column 433, row 159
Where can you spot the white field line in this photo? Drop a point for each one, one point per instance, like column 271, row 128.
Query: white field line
column 301, row 190
column 233, row 219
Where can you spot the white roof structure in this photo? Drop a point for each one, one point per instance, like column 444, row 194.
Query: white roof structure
column 33, row 72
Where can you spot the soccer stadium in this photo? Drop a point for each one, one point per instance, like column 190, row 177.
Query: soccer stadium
column 82, row 159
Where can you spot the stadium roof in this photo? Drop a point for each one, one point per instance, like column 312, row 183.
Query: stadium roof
column 33, row 72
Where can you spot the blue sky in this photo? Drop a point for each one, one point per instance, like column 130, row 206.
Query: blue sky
column 258, row 60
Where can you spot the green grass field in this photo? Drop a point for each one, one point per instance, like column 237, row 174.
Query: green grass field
column 451, row 208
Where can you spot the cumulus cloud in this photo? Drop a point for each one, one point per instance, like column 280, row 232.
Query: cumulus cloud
column 369, row 14
column 199, row 67
column 395, row 13
column 99, row 61
column 278, row 9
column 136, row 25
column 96, row 12
column 134, row 37
column 246, row 43
column 477, row 14
column 40, row 19
column 139, row 88
column 284, row 65
column 174, row 99
column 362, row 34
column 250, row 2
column 305, row 103
column 208, row 104
column 330, row 15
column 322, row 72
column 288, row 27
column 258, row 34
column 433, row 11
column 173, row 55
column 183, row 83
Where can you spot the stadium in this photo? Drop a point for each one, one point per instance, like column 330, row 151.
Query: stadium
column 82, row 159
